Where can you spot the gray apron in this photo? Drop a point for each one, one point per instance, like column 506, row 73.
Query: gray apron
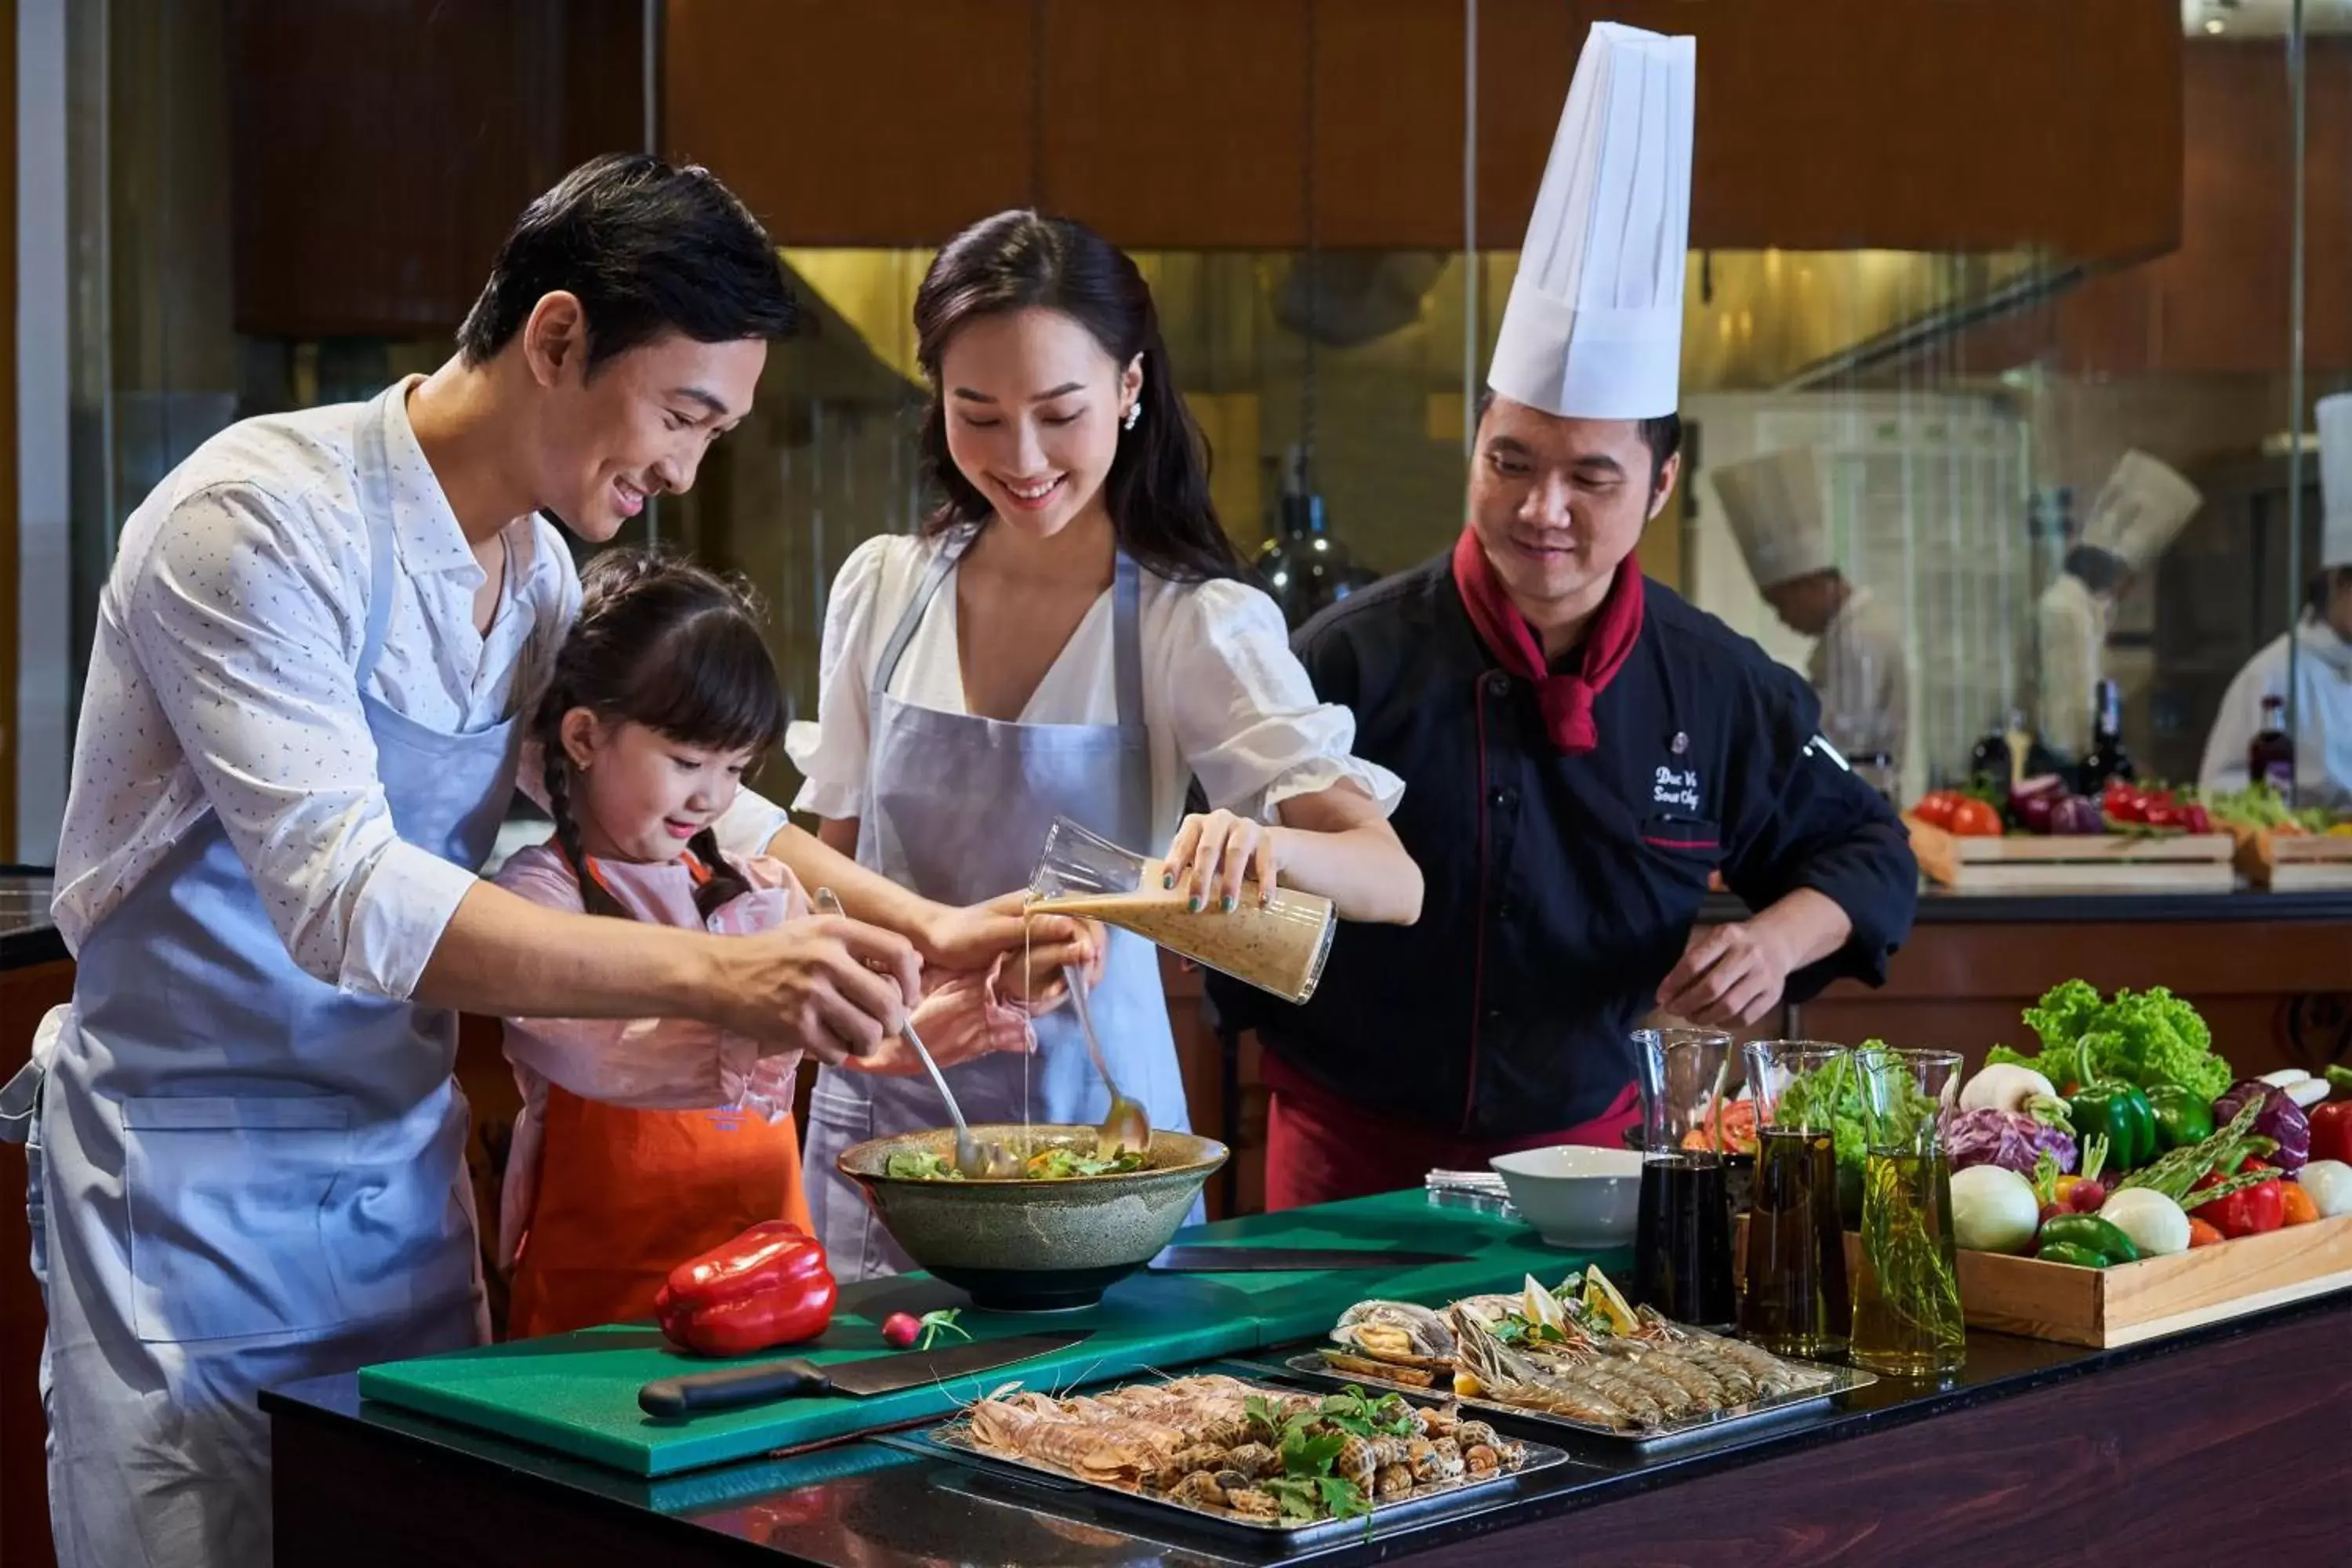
column 957, row 808
column 249, row 1176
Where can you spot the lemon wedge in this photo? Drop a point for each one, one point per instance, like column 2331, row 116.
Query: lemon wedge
column 1601, row 1297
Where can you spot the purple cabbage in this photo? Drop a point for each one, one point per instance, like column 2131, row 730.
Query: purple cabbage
column 2077, row 815
column 2009, row 1138
column 2281, row 1120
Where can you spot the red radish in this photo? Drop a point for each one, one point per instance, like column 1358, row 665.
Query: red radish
column 901, row 1330
column 2086, row 1197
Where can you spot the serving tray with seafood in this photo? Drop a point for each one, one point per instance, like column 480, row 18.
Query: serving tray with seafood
column 1260, row 1458
column 1578, row 1357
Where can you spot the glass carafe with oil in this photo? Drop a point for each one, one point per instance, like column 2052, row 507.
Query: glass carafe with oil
column 1682, row 1237
column 1275, row 942
column 1907, row 1308
column 1795, row 1300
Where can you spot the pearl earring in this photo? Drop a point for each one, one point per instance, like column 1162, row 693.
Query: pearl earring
column 1134, row 413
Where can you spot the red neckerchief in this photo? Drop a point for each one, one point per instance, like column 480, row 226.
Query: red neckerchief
column 1567, row 696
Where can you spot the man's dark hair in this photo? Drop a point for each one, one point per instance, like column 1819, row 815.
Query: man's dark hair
column 2322, row 589
column 1662, row 435
column 2100, row 570
column 648, row 248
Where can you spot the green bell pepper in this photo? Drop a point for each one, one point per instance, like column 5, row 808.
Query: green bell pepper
column 2121, row 1114
column 2184, row 1117
column 2088, row 1233
column 2067, row 1252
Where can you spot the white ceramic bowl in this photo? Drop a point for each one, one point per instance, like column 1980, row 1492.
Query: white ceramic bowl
column 1576, row 1196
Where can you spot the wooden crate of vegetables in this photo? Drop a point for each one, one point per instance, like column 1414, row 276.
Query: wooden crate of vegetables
column 2122, row 1185
column 2048, row 840
column 2280, row 848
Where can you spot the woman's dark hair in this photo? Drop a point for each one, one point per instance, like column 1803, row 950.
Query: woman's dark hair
column 648, row 248
column 1158, row 489
column 1662, row 435
column 669, row 646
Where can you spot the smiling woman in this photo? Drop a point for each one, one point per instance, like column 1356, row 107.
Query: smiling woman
column 1068, row 635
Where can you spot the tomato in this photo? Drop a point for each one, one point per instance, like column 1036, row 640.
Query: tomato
column 2157, row 813
column 1975, row 819
column 1935, row 808
column 2123, row 801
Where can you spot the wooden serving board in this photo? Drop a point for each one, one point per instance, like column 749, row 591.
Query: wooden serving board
column 2091, row 863
column 2295, row 862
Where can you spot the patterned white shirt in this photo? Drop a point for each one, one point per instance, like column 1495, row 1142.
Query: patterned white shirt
column 224, row 681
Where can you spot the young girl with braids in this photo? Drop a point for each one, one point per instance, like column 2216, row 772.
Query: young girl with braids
column 644, row 1142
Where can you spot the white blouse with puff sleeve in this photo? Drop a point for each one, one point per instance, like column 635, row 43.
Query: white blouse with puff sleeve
column 1223, row 697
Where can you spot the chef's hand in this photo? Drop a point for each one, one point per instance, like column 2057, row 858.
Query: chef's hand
column 1213, row 855
column 826, row 984
column 1729, row 976
column 959, row 1018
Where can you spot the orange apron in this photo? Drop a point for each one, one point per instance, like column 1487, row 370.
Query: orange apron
column 626, row 1196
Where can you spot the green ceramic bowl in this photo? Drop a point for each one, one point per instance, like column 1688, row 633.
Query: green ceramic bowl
column 1033, row 1246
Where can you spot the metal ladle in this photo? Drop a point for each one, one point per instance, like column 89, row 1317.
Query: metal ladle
column 974, row 1160
column 1127, row 1125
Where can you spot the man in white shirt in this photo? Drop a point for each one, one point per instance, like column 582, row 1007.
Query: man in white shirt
column 299, row 734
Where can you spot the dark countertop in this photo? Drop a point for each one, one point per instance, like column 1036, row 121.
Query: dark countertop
column 873, row 1504
column 27, row 936
column 1940, row 907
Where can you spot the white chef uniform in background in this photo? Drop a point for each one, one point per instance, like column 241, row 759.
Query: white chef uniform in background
column 2141, row 509
column 2322, row 660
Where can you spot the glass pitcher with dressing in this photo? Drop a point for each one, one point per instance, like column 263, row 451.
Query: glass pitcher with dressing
column 1681, row 1237
column 1278, row 944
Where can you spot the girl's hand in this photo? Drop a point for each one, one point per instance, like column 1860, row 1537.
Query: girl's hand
column 1214, row 855
column 960, row 1018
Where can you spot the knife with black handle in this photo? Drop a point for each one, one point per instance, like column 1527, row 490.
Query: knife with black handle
column 733, row 1387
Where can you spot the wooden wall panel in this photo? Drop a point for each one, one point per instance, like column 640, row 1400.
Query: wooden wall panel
column 1934, row 124
column 381, row 149
column 1177, row 125
column 882, row 122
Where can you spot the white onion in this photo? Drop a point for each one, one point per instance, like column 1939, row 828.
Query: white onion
column 1993, row 1210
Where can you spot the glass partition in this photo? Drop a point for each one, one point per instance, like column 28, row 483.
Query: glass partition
column 1965, row 410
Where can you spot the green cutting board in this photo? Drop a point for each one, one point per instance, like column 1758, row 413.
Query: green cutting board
column 577, row 1392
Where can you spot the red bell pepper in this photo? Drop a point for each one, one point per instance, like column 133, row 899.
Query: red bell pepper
column 770, row 1286
column 2249, row 1211
column 2331, row 1131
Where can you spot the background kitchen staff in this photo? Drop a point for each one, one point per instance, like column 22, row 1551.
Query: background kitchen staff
column 2139, row 511
column 1774, row 505
column 299, row 737
column 2323, row 652
column 1580, row 749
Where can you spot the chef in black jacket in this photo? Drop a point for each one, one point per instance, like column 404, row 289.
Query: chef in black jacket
column 1581, row 747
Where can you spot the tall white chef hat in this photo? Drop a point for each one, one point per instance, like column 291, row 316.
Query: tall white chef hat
column 1594, row 326
column 1774, row 505
column 2336, row 479
column 2141, row 509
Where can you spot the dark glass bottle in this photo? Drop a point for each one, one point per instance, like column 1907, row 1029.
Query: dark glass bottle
column 2269, row 757
column 2109, row 759
column 1302, row 566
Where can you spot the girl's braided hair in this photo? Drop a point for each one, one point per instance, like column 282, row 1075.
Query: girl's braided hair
column 665, row 644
